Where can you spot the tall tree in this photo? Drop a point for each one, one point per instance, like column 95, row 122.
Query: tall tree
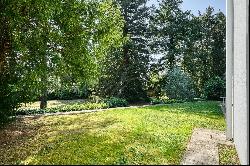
column 204, row 56
column 58, row 39
column 169, row 26
column 8, row 96
column 125, row 75
column 195, row 43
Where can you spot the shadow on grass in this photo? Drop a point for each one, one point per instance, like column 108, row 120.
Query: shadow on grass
column 119, row 148
column 26, row 137
column 14, row 139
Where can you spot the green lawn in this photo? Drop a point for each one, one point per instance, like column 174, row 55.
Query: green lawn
column 149, row 135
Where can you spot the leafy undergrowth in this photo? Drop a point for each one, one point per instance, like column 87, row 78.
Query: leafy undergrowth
column 148, row 135
column 52, row 103
column 64, row 108
column 228, row 155
column 76, row 106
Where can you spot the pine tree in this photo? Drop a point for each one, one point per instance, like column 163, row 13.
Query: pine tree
column 126, row 74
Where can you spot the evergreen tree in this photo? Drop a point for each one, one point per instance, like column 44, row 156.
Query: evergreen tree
column 126, row 70
column 204, row 55
column 170, row 28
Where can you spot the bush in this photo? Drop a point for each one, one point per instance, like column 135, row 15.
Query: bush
column 108, row 103
column 156, row 101
column 160, row 100
column 214, row 88
column 66, row 108
column 178, row 85
column 95, row 99
column 116, row 102
column 69, row 93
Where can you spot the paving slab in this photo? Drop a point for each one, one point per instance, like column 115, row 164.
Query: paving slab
column 203, row 147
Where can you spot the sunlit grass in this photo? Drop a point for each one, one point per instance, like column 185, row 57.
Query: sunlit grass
column 228, row 155
column 150, row 135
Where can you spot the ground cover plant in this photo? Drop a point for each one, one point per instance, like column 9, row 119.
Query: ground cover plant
column 228, row 155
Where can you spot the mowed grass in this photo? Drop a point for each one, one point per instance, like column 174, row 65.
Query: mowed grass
column 148, row 135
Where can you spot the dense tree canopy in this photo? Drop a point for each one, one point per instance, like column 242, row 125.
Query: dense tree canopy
column 45, row 43
column 108, row 45
column 205, row 56
column 194, row 43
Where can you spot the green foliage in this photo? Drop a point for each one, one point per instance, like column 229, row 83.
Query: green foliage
column 154, row 83
column 9, row 99
column 9, row 96
column 66, row 108
column 169, row 28
column 69, row 93
column 155, row 101
column 95, row 99
column 125, row 71
column 178, row 85
column 49, row 49
column 94, row 103
column 116, row 102
column 205, row 56
column 196, row 43
column 55, row 42
column 215, row 88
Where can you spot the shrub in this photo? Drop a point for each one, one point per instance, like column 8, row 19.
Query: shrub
column 95, row 99
column 69, row 93
column 108, row 103
column 66, row 108
column 178, row 85
column 161, row 100
column 116, row 102
column 214, row 88
column 156, row 101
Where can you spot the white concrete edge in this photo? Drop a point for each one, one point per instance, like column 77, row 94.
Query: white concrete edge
column 229, row 66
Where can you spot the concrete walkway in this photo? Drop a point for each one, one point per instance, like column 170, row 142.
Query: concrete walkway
column 203, row 147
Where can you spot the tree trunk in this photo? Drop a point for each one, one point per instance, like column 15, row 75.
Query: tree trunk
column 44, row 76
column 43, row 103
column 44, row 80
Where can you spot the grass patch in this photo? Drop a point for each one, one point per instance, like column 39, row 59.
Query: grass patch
column 228, row 155
column 148, row 135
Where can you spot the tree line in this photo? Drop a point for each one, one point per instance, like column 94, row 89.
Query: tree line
column 108, row 48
